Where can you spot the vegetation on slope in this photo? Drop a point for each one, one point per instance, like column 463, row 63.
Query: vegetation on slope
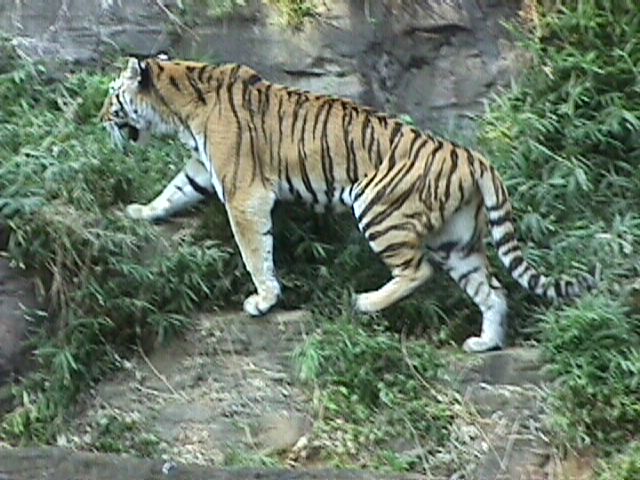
column 290, row 13
column 566, row 140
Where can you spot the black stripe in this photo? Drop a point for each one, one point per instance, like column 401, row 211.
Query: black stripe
column 558, row 289
column 372, row 136
column 199, row 188
column 512, row 249
column 501, row 220
column 495, row 208
column 506, row 238
column 292, row 190
column 467, row 274
column 256, row 162
column 316, row 117
column 389, row 210
column 412, row 145
column 201, row 72
column 393, row 248
column 234, row 112
column 384, row 190
column 174, row 83
column 515, row 263
column 197, row 90
column 533, row 281
column 346, row 131
column 447, row 186
column 302, row 159
column 394, row 132
column 405, row 226
column 294, row 116
column 425, row 141
column 253, row 79
column 325, row 148
column 280, row 115
column 363, row 130
column 447, row 247
column 354, row 165
column 379, row 158
column 233, row 73
column 264, row 109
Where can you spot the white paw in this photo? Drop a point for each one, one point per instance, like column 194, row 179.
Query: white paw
column 363, row 302
column 479, row 344
column 256, row 305
column 137, row 211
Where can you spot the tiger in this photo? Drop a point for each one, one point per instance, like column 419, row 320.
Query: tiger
column 421, row 201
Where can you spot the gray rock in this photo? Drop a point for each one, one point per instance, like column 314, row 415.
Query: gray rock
column 434, row 60
column 17, row 295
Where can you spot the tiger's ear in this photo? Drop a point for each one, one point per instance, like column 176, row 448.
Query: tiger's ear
column 133, row 68
column 139, row 70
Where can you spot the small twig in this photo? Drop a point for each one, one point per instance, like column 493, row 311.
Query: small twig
column 152, row 391
column 510, row 442
column 172, row 16
column 425, row 465
column 445, row 397
column 159, row 375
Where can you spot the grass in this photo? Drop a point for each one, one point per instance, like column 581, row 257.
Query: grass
column 622, row 466
column 110, row 282
column 566, row 138
column 386, row 402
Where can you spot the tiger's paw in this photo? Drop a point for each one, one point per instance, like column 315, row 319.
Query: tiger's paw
column 257, row 305
column 144, row 212
column 365, row 302
column 479, row 345
column 137, row 211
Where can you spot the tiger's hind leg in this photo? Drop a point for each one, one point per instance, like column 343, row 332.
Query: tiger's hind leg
column 403, row 282
column 250, row 219
column 191, row 185
column 399, row 243
column 470, row 272
column 459, row 249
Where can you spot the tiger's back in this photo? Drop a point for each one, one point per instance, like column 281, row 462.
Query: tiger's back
column 416, row 198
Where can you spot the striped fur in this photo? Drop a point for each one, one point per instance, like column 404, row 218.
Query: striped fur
column 417, row 198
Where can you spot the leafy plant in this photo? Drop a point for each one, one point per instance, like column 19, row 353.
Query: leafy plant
column 373, row 388
column 294, row 12
column 566, row 139
column 623, row 466
column 111, row 282
column 594, row 352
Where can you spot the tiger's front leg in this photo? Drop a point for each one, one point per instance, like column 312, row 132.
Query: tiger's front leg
column 250, row 219
column 188, row 187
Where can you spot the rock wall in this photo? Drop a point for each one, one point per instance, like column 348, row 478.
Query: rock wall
column 435, row 60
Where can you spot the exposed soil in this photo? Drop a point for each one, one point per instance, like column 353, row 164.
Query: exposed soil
column 222, row 391
column 225, row 394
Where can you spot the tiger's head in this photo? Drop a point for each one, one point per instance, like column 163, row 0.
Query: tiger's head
column 133, row 110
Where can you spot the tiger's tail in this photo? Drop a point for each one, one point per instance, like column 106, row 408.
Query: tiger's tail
column 499, row 213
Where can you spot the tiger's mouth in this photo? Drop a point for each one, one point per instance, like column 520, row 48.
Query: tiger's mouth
column 133, row 133
column 123, row 133
column 128, row 131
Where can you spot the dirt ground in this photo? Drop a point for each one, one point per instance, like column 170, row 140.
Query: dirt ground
column 222, row 391
column 226, row 395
